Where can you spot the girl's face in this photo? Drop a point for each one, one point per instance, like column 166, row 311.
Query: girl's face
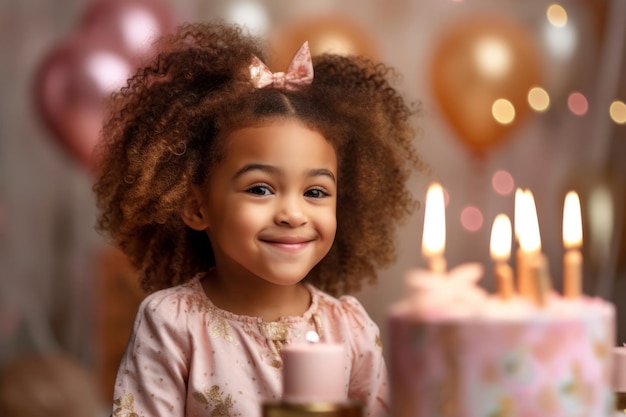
column 270, row 205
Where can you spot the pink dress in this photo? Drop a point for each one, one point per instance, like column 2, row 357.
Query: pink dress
column 187, row 357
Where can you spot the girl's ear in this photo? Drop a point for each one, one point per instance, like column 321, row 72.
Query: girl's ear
column 192, row 213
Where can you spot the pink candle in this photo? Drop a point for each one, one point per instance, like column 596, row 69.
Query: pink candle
column 314, row 372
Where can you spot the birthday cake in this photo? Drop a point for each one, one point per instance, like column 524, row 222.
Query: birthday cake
column 457, row 350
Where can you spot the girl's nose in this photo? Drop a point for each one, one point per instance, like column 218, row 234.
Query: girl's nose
column 290, row 211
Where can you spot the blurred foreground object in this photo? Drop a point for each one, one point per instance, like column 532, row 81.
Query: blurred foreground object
column 482, row 70
column 76, row 78
column 51, row 385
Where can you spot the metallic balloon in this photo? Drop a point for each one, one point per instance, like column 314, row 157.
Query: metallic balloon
column 479, row 64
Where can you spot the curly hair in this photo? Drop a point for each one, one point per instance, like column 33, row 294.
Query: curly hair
column 166, row 129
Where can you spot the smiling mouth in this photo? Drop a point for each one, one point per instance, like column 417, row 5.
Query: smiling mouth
column 288, row 245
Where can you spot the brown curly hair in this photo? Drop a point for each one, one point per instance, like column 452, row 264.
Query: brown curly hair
column 165, row 131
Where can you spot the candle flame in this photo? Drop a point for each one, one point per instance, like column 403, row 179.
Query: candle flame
column 500, row 244
column 529, row 235
column 434, row 238
column 572, row 221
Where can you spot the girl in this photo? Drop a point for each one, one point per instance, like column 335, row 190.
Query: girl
column 248, row 200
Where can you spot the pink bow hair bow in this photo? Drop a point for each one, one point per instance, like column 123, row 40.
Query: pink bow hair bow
column 298, row 75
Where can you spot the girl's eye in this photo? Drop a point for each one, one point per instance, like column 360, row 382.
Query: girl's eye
column 316, row 193
column 259, row 190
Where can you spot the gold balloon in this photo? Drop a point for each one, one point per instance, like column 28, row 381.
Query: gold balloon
column 478, row 61
column 327, row 34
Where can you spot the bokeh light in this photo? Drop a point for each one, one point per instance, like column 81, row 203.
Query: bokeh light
column 139, row 28
column 560, row 41
column 109, row 71
column 577, row 104
column 538, row 99
column 502, row 182
column 617, row 110
column 250, row 14
column 503, row 111
column 557, row 16
column 493, row 57
column 340, row 45
column 471, row 218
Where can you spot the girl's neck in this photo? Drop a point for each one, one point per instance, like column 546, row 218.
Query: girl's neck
column 256, row 298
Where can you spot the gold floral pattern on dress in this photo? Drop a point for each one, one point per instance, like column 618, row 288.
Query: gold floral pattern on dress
column 276, row 333
column 220, row 329
column 218, row 325
column 214, row 397
column 275, row 330
column 378, row 343
column 125, row 407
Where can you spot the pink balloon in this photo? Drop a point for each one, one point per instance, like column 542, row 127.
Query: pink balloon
column 133, row 25
column 75, row 79
column 71, row 88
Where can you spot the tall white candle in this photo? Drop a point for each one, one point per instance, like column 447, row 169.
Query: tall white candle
column 572, row 241
column 434, row 236
column 314, row 372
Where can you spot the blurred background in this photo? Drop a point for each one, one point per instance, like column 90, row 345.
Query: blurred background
column 513, row 94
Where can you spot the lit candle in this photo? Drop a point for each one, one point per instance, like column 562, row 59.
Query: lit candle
column 434, row 237
column 500, row 249
column 533, row 277
column 526, row 247
column 314, row 372
column 572, row 241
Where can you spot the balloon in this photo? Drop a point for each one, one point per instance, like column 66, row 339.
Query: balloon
column 75, row 79
column 476, row 62
column 133, row 25
column 332, row 34
column 71, row 87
